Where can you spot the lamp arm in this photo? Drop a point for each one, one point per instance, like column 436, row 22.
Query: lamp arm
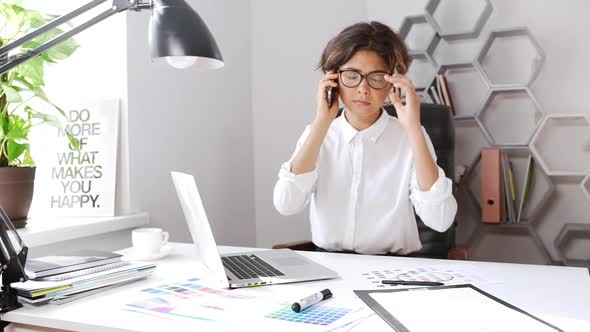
column 50, row 25
column 118, row 6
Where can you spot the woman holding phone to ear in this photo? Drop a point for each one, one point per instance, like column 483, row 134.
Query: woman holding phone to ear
column 365, row 172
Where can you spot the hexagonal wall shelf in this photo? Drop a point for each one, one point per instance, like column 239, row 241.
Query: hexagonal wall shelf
column 421, row 71
column 463, row 77
column 499, row 244
column 443, row 17
column 510, row 116
column 510, row 58
column 567, row 204
column 573, row 244
column 540, row 189
column 418, row 34
column 562, row 145
column 469, row 140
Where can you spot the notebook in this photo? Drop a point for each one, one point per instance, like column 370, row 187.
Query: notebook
column 79, row 273
column 74, row 261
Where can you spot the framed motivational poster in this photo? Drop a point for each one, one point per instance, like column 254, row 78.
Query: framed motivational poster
column 79, row 182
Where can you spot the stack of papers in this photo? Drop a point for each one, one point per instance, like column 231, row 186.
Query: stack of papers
column 38, row 292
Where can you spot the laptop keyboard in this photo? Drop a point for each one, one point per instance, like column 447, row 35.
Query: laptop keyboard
column 249, row 267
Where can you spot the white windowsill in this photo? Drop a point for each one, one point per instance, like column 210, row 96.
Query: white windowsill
column 43, row 231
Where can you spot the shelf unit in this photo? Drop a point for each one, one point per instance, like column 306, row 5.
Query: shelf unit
column 501, row 111
column 542, row 186
column 567, row 237
column 509, row 116
column 509, row 71
column 556, row 158
column 462, row 76
column 413, row 30
column 470, row 29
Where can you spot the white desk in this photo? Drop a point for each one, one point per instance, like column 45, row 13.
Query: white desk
column 559, row 295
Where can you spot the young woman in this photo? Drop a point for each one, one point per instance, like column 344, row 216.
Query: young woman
column 363, row 172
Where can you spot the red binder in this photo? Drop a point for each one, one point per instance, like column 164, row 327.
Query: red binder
column 491, row 186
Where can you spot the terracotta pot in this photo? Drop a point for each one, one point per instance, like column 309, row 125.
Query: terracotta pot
column 16, row 193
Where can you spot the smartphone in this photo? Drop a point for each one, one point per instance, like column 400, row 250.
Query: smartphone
column 330, row 96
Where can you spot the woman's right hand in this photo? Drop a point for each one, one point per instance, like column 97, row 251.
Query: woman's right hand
column 324, row 113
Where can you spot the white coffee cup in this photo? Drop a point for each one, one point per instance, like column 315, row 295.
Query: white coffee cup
column 148, row 241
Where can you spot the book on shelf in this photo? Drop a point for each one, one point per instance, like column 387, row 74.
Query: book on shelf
column 77, row 260
column 440, row 93
column 434, row 94
column 508, row 186
column 447, row 93
column 439, row 89
column 526, row 188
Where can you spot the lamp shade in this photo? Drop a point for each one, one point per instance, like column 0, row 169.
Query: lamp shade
column 178, row 34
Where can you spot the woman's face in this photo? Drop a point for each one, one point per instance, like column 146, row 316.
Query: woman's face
column 364, row 99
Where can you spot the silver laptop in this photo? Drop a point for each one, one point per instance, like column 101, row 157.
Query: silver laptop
column 244, row 269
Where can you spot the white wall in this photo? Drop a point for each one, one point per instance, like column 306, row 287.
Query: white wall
column 287, row 41
column 195, row 122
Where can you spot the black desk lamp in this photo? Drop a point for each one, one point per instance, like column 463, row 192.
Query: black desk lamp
column 176, row 33
column 13, row 256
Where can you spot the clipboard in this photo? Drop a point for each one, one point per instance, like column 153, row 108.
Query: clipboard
column 399, row 321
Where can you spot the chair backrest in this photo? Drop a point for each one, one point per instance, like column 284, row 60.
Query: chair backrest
column 438, row 123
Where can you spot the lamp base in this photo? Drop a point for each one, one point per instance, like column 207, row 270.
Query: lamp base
column 9, row 302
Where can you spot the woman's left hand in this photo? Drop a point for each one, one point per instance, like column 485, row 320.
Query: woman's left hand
column 408, row 114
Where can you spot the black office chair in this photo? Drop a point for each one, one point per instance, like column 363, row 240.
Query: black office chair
column 438, row 123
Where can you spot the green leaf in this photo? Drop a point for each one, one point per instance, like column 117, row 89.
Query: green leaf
column 46, row 118
column 58, row 52
column 12, row 95
column 30, row 45
column 73, row 141
column 36, row 19
column 36, row 89
column 63, row 50
column 28, row 160
column 33, row 69
column 46, row 57
column 17, row 136
column 17, row 9
column 15, row 150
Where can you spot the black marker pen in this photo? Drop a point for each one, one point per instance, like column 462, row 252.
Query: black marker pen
column 411, row 283
column 311, row 300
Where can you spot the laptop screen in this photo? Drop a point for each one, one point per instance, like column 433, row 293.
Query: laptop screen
column 199, row 227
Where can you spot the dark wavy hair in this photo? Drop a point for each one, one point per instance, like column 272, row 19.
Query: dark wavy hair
column 373, row 36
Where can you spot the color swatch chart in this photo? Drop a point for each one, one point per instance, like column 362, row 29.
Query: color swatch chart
column 189, row 299
column 316, row 315
column 444, row 275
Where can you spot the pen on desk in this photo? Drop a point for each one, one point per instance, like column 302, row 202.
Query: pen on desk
column 411, row 283
column 311, row 300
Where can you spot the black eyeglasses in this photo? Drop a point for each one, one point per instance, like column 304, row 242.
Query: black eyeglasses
column 351, row 79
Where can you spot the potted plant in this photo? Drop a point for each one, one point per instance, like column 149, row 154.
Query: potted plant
column 21, row 93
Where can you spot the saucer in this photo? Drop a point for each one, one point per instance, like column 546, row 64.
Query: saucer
column 134, row 255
